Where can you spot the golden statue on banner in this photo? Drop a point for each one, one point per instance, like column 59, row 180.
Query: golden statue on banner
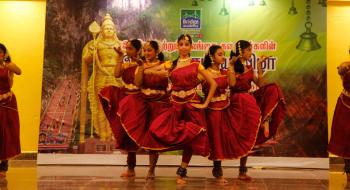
column 101, row 55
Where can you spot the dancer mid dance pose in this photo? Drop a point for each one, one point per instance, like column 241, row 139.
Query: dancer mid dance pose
column 9, row 120
column 269, row 97
column 232, row 125
column 111, row 96
column 339, row 143
column 183, row 125
column 137, row 111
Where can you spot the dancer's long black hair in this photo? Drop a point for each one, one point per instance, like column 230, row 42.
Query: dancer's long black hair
column 7, row 58
column 155, row 46
column 240, row 46
column 210, row 55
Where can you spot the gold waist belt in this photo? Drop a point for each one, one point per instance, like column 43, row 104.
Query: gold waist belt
column 183, row 93
column 5, row 96
column 219, row 98
column 148, row 91
column 131, row 87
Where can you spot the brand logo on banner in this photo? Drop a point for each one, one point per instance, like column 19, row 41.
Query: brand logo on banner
column 190, row 19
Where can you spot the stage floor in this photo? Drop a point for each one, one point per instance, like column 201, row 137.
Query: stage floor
column 26, row 175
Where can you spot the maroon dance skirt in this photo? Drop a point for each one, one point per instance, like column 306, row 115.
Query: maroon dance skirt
column 339, row 143
column 136, row 112
column 271, row 101
column 232, row 128
column 182, row 126
column 110, row 98
column 9, row 129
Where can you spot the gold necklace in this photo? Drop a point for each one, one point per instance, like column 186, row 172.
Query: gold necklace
column 183, row 62
column 217, row 72
column 152, row 64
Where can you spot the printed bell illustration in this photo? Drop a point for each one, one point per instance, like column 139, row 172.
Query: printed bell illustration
column 262, row 3
column 223, row 11
column 308, row 40
column 292, row 9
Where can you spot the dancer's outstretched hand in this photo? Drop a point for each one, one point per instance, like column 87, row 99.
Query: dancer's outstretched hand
column 234, row 59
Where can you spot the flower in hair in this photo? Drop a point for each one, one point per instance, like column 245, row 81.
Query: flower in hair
column 239, row 48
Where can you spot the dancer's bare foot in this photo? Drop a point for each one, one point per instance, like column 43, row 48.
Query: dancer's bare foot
column 266, row 128
column 271, row 142
column 180, row 180
column 150, row 175
column 221, row 180
column 268, row 143
column 128, row 173
column 251, row 151
column 244, row 177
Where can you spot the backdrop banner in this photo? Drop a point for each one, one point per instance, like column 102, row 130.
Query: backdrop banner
column 293, row 33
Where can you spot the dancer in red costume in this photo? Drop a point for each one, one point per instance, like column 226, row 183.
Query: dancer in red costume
column 111, row 96
column 269, row 97
column 183, row 125
column 9, row 120
column 232, row 125
column 137, row 111
column 339, row 143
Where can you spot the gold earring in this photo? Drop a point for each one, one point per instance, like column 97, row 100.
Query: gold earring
column 211, row 59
